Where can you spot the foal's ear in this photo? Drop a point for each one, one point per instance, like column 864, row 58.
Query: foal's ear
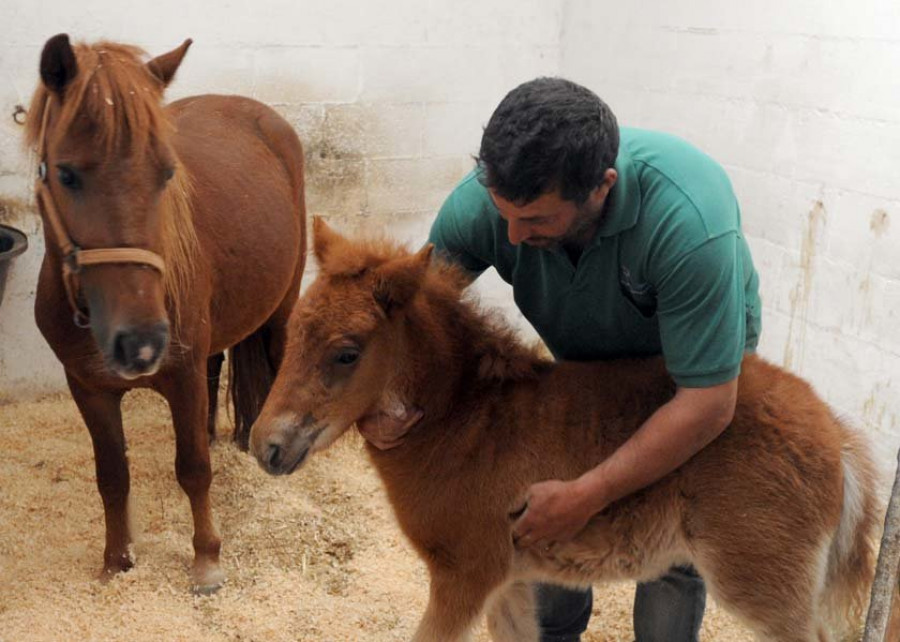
column 165, row 66
column 397, row 281
column 58, row 65
column 325, row 242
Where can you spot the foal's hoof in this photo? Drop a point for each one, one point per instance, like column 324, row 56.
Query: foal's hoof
column 206, row 579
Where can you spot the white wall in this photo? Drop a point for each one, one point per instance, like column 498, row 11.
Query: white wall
column 389, row 98
column 799, row 100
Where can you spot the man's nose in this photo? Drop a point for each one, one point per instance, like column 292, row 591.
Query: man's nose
column 516, row 231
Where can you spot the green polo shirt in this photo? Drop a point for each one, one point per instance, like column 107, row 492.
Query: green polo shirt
column 668, row 272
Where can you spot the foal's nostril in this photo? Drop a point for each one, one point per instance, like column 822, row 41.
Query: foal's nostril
column 274, row 456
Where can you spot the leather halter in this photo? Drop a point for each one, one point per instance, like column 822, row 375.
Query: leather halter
column 75, row 258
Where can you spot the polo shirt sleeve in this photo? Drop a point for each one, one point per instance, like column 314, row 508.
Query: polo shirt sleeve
column 701, row 313
column 459, row 232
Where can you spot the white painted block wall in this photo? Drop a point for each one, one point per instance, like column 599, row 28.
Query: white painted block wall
column 799, row 100
column 388, row 97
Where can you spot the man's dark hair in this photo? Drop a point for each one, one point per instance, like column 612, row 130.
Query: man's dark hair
column 546, row 134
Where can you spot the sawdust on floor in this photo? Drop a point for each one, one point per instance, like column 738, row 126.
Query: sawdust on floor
column 316, row 556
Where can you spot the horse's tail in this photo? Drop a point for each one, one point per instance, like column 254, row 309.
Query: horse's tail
column 851, row 562
column 250, row 376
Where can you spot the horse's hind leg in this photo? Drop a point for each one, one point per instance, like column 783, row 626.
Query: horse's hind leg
column 102, row 412
column 213, row 371
column 187, row 397
column 511, row 615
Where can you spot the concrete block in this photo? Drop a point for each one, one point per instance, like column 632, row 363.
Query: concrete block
column 478, row 23
column 396, row 186
column 375, row 130
column 335, row 186
column 454, row 129
column 306, row 74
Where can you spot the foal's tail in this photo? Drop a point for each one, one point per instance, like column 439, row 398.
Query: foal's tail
column 851, row 563
column 250, row 376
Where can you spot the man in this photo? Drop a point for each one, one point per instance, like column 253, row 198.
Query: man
column 617, row 243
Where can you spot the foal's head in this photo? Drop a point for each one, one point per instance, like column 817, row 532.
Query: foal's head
column 347, row 354
column 108, row 162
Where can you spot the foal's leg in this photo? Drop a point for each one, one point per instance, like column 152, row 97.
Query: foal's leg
column 213, row 370
column 454, row 604
column 102, row 412
column 512, row 616
column 188, row 401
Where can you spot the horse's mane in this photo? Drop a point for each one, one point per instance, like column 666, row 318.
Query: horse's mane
column 123, row 101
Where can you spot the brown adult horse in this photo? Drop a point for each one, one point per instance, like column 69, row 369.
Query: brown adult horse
column 173, row 234
column 777, row 514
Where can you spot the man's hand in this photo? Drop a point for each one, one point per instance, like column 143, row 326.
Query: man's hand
column 556, row 511
column 387, row 430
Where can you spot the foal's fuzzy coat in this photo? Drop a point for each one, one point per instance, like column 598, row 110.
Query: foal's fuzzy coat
column 777, row 515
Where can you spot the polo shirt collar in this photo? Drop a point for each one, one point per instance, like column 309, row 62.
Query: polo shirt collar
column 624, row 201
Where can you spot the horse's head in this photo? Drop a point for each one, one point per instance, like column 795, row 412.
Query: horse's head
column 107, row 161
column 346, row 354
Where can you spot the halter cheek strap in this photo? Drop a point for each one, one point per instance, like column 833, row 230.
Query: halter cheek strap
column 75, row 258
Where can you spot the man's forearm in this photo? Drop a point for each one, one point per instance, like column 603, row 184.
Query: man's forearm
column 669, row 438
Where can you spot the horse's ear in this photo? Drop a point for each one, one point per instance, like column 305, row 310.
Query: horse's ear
column 398, row 281
column 165, row 66
column 58, row 64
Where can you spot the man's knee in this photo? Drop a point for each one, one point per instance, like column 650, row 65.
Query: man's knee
column 671, row 608
column 563, row 613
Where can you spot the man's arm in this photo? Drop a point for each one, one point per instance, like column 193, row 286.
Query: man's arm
column 558, row 510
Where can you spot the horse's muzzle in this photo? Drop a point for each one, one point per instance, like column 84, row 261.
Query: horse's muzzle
column 138, row 352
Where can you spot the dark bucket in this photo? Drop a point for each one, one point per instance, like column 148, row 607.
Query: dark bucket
column 12, row 244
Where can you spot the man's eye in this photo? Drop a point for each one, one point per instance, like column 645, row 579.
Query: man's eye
column 67, row 177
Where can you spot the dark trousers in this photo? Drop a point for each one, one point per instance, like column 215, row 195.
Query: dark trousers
column 667, row 610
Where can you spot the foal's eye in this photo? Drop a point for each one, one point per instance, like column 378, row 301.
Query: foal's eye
column 67, row 177
column 168, row 173
column 347, row 356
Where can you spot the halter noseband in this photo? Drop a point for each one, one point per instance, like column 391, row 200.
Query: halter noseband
column 74, row 258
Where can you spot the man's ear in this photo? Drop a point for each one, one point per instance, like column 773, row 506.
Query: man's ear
column 397, row 281
column 165, row 65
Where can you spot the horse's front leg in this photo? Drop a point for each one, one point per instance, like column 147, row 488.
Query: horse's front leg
column 102, row 413
column 188, row 399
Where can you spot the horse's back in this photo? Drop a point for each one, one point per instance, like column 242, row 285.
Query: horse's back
column 245, row 164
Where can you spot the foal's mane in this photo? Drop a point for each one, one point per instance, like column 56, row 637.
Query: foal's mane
column 501, row 353
column 123, row 100
column 444, row 300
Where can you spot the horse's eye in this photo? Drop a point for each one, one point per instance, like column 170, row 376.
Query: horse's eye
column 347, row 356
column 67, row 177
column 168, row 173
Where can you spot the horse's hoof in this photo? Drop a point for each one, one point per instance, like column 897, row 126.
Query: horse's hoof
column 208, row 580
column 116, row 564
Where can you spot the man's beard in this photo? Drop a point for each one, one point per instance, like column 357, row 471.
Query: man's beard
column 578, row 234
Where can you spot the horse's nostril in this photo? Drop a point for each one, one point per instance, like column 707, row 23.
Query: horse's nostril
column 140, row 349
column 273, row 456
